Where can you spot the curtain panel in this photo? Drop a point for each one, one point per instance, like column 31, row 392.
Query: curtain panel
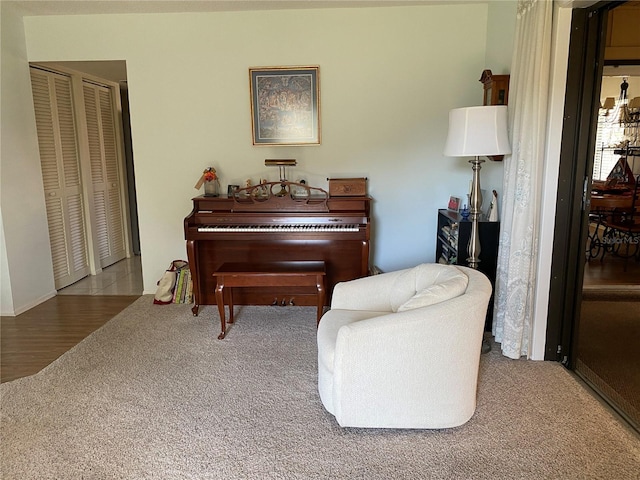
column 523, row 176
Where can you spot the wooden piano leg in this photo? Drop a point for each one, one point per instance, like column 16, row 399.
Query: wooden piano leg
column 220, row 302
column 195, row 309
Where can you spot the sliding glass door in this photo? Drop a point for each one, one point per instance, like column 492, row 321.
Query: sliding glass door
column 609, row 325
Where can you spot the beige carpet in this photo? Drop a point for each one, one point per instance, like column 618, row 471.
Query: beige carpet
column 608, row 350
column 154, row 395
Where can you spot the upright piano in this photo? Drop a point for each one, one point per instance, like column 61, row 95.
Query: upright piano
column 277, row 221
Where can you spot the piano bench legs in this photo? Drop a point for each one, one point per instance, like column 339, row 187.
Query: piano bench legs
column 274, row 274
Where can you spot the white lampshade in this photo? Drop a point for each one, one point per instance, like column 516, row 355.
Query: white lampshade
column 634, row 102
column 477, row 131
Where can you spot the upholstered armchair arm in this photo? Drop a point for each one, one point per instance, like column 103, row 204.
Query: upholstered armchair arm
column 419, row 367
column 367, row 293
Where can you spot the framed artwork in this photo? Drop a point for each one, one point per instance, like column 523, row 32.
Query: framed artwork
column 285, row 105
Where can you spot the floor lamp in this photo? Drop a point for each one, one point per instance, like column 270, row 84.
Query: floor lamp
column 476, row 132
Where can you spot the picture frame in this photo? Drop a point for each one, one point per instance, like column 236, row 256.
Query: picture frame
column 285, row 105
column 231, row 189
column 454, row 204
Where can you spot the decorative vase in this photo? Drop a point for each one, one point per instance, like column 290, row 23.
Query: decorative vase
column 211, row 188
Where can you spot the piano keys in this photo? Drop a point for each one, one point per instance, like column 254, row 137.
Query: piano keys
column 284, row 228
column 251, row 228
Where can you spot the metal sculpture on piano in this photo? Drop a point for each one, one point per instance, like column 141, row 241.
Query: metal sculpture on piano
column 280, row 196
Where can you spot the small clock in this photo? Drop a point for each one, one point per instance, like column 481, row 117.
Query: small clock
column 496, row 88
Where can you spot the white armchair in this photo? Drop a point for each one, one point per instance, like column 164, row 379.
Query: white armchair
column 402, row 349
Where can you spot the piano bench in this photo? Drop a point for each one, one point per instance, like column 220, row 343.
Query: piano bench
column 270, row 274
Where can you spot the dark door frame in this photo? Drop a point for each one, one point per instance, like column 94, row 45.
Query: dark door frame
column 584, row 78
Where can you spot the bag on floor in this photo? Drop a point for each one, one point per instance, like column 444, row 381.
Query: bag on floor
column 167, row 284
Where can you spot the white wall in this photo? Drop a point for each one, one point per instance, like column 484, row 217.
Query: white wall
column 611, row 85
column 501, row 29
column 6, row 299
column 501, row 26
column 26, row 276
column 388, row 77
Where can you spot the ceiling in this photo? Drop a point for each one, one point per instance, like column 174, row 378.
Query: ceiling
column 113, row 70
column 621, row 71
column 91, row 7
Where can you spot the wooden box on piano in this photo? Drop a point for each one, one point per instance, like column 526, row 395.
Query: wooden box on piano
column 347, row 187
column 220, row 230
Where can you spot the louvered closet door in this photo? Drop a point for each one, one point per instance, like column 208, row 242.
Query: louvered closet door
column 105, row 173
column 59, row 160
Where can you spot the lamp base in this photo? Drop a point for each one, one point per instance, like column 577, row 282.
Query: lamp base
column 475, row 200
column 475, row 205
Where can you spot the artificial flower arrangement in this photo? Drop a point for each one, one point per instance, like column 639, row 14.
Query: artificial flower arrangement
column 209, row 179
column 210, row 175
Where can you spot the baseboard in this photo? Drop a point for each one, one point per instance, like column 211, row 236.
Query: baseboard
column 28, row 306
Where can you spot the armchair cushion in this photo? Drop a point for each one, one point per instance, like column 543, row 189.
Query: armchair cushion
column 434, row 286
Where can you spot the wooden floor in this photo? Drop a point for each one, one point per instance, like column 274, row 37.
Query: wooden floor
column 32, row 340
column 612, row 271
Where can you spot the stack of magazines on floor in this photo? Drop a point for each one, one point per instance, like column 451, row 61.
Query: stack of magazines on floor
column 183, row 291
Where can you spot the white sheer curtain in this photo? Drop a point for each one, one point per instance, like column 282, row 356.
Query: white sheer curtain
column 523, row 173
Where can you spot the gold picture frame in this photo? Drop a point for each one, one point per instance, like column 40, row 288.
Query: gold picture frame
column 285, row 105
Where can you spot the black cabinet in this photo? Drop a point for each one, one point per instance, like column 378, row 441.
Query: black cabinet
column 451, row 246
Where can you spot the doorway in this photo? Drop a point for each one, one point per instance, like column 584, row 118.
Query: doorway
column 111, row 274
column 594, row 308
column 609, row 333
